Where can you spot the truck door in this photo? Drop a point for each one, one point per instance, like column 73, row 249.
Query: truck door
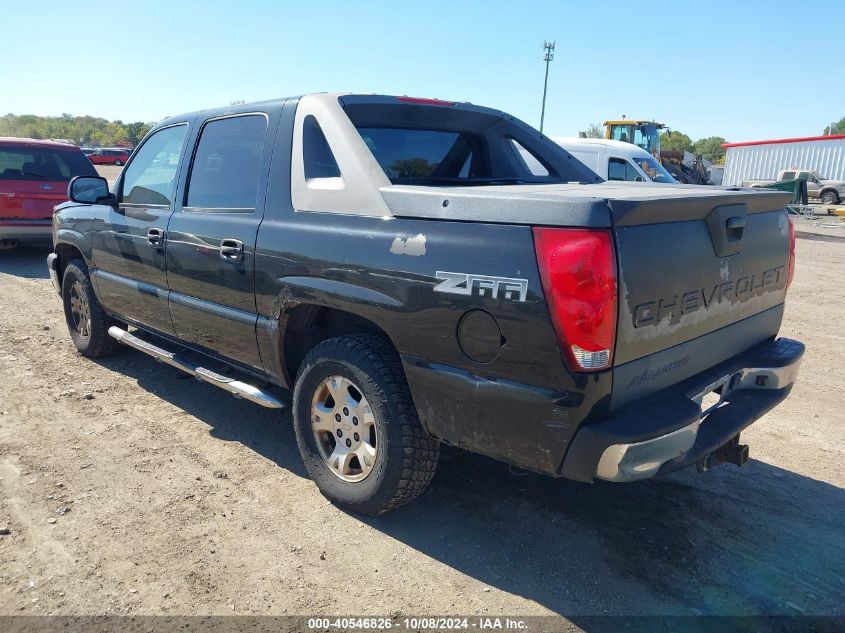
column 211, row 237
column 813, row 184
column 129, row 242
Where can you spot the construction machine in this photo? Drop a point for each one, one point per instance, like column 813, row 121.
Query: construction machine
column 685, row 167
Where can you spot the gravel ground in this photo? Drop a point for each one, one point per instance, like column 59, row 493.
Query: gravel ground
column 127, row 488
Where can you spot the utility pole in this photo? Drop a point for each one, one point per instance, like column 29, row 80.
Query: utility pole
column 548, row 55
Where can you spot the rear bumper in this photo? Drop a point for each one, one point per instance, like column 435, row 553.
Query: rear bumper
column 26, row 230
column 670, row 430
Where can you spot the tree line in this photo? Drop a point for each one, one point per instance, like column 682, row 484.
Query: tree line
column 710, row 148
column 83, row 130
column 835, row 128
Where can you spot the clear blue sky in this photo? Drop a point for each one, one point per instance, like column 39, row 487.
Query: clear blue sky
column 744, row 70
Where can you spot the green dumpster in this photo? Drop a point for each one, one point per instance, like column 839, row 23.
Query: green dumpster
column 798, row 189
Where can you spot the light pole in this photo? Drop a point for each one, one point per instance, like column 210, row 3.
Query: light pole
column 548, row 55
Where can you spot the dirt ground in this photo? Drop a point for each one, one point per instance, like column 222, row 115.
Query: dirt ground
column 127, row 488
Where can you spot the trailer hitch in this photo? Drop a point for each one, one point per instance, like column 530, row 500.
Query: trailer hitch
column 732, row 452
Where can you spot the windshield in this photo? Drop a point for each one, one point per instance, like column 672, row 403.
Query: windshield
column 43, row 163
column 648, row 138
column 421, row 145
column 653, row 169
column 644, row 135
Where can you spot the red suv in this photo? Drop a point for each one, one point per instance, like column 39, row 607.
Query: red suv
column 109, row 156
column 33, row 179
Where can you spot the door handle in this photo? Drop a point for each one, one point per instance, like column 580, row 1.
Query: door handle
column 156, row 237
column 231, row 250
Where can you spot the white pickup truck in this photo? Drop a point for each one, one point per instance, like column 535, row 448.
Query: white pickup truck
column 828, row 191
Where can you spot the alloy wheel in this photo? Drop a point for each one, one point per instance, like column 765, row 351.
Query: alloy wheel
column 344, row 428
column 80, row 310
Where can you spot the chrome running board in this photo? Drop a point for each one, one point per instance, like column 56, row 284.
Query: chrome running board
column 235, row 387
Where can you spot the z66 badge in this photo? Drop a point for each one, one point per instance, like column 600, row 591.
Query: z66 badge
column 482, row 285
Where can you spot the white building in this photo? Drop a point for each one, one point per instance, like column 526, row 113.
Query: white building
column 765, row 159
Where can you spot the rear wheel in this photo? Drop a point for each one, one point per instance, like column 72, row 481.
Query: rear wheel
column 87, row 322
column 829, row 197
column 357, row 427
column 118, row 162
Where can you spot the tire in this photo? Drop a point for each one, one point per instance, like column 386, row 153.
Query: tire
column 829, row 197
column 90, row 335
column 405, row 456
column 118, row 163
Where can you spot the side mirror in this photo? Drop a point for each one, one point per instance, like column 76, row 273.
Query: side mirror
column 89, row 190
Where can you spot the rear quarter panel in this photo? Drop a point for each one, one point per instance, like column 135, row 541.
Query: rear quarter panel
column 521, row 406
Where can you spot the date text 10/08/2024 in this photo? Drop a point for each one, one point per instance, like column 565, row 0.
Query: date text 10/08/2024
column 417, row 624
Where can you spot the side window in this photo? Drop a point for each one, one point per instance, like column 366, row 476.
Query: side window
column 621, row 169
column 151, row 176
column 227, row 163
column 788, row 175
column 616, row 169
column 316, row 153
column 531, row 163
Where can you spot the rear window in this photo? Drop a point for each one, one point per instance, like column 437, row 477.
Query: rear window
column 42, row 163
column 442, row 145
column 411, row 154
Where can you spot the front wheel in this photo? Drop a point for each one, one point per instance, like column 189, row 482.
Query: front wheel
column 357, row 427
column 118, row 162
column 829, row 197
column 87, row 322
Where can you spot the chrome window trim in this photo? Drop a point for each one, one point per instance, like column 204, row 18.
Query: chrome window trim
column 241, row 210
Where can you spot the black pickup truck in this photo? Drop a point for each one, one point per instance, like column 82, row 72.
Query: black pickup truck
column 405, row 272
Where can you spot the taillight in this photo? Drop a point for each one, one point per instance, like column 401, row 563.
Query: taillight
column 791, row 272
column 578, row 270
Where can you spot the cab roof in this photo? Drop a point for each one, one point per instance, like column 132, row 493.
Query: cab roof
column 345, row 98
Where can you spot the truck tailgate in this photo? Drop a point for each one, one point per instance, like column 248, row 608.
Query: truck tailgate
column 701, row 279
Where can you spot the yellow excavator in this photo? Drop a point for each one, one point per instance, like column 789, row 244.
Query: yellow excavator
column 646, row 135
